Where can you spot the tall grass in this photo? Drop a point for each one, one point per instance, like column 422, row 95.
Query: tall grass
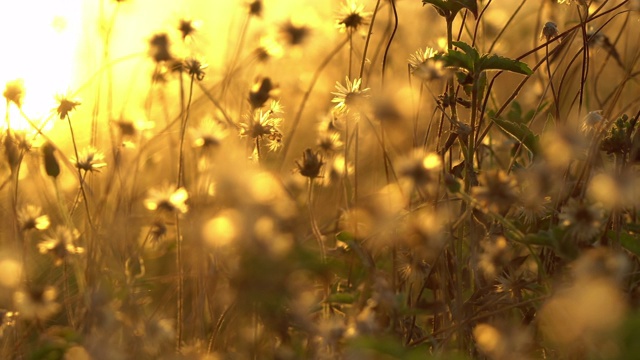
column 376, row 179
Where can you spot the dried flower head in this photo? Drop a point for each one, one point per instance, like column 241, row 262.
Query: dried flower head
column 36, row 303
column 349, row 96
column 549, row 31
column 159, row 48
column 188, row 27
column 269, row 48
column 592, row 120
column 497, row 191
column 66, row 105
column 352, row 16
column 311, row 164
column 208, row 134
column 61, row 244
column 261, row 91
column 255, row 8
column 14, row 92
column 420, row 171
column 167, row 198
column 329, row 142
column 195, row 68
column 30, row 217
column 583, row 221
column 293, row 33
column 89, row 160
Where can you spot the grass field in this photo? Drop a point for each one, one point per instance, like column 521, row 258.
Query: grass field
column 399, row 179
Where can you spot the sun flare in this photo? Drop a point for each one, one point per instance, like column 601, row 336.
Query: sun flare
column 39, row 48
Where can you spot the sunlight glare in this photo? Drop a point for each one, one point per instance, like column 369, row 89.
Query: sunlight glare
column 40, row 40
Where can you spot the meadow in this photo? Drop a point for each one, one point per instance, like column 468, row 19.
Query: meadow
column 398, row 179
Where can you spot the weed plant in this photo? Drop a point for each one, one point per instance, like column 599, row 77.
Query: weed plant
column 435, row 179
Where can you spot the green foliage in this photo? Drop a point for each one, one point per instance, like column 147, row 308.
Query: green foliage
column 449, row 8
column 520, row 132
column 618, row 139
column 471, row 62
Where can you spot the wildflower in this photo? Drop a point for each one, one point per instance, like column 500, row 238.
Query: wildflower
column 167, row 198
column 159, row 48
column 89, row 160
column 582, row 221
column 255, row 8
column 497, row 191
column 329, row 142
column 592, row 120
column 420, row 171
column 549, row 31
column 311, row 164
column 61, row 244
column 532, row 206
column 423, row 65
column 208, row 134
column 352, row 16
column 66, row 105
column 260, row 92
column 14, row 92
column 30, row 217
column 293, row 33
column 195, row 68
column 269, row 48
column 188, row 27
column 350, row 95
column 36, row 303
column 263, row 124
column 424, row 234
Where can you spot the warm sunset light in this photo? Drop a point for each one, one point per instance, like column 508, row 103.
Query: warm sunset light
column 39, row 48
column 339, row 179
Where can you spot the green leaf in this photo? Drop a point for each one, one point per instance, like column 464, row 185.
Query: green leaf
column 521, row 133
column 452, row 7
column 468, row 49
column 342, row 298
column 456, row 59
column 471, row 5
column 628, row 241
column 496, row 62
column 544, row 238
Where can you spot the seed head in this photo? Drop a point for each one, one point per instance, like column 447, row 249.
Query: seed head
column 14, row 92
column 549, row 31
column 311, row 164
column 66, row 105
column 159, row 48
